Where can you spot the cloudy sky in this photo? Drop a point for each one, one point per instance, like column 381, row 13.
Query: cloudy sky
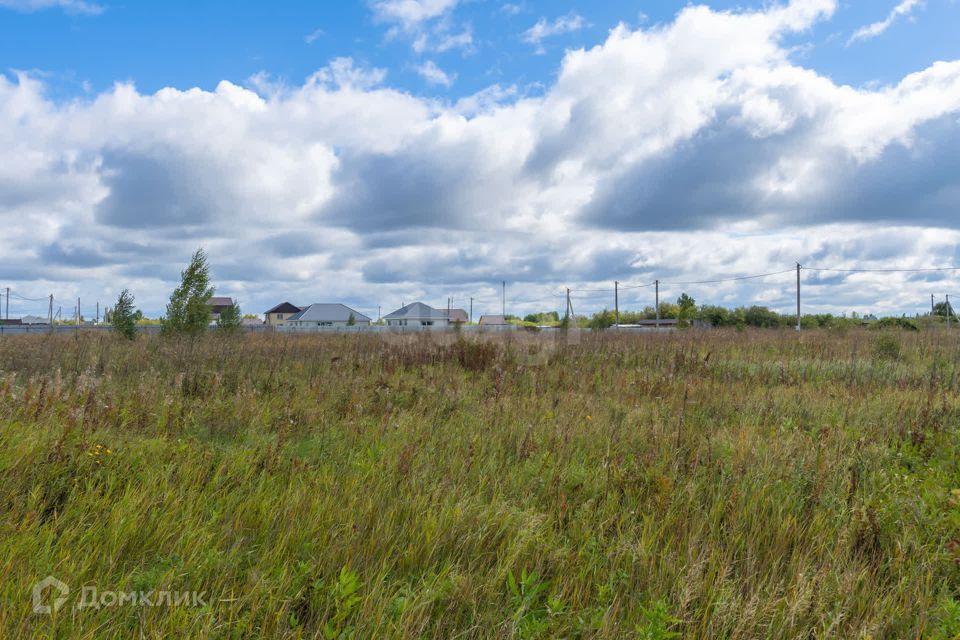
column 386, row 151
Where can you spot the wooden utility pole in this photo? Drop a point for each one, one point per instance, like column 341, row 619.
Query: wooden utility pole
column 471, row 310
column 616, row 300
column 503, row 306
column 949, row 311
column 656, row 290
column 7, row 315
column 798, row 296
column 50, row 312
column 78, row 312
column 933, row 307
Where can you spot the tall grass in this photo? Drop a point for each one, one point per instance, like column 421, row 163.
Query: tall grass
column 698, row 484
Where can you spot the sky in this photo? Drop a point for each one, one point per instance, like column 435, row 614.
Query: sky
column 376, row 153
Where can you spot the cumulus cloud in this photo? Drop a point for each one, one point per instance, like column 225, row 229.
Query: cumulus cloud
column 427, row 23
column 690, row 149
column 902, row 10
column 546, row 29
column 434, row 74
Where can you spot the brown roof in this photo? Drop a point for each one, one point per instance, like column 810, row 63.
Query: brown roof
column 284, row 307
column 493, row 320
column 458, row 315
column 220, row 301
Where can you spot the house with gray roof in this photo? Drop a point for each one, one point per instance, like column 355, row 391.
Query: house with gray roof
column 327, row 314
column 417, row 314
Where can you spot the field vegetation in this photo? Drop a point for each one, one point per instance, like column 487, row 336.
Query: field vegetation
column 698, row 484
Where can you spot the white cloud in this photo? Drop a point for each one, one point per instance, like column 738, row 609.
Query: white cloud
column 904, row 9
column 434, row 74
column 546, row 29
column 693, row 149
column 70, row 6
column 313, row 36
column 411, row 13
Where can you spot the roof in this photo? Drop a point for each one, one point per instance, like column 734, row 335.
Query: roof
column 34, row 320
column 327, row 312
column 493, row 320
column 416, row 311
column 458, row 315
column 10, row 322
column 251, row 322
column 284, row 307
column 220, row 301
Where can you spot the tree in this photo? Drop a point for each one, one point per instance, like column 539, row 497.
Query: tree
column 687, row 306
column 189, row 311
column 230, row 319
column 123, row 317
column 351, row 320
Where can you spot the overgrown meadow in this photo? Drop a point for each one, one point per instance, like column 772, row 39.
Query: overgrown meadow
column 699, row 484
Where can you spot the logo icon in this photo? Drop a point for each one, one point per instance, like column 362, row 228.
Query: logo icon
column 62, row 589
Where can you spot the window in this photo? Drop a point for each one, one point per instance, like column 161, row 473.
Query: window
column 426, row 323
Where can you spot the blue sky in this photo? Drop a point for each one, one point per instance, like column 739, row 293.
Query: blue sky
column 386, row 151
column 183, row 44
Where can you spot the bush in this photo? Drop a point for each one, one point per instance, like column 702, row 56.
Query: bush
column 886, row 346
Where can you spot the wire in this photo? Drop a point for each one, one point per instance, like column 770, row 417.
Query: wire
column 735, row 278
column 17, row 295
column 931, row 269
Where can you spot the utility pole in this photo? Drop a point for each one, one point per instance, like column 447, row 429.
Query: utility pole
column 933, row 307
column 949, row 311
column 503, row 308
column 656, row 289
column 8, row 304
column 97, row 321
column 471, row 310
column 378, row 314
column 798, row 296
column 568, row 314
column 78, row 312
column 616, row 300
column 50, row 312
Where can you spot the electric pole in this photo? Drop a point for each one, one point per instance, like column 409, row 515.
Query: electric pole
column 949, row 311
column 78, row 312
column 97, row 320
column 616, row 300
column 798, row 296
column 568, row 308
column 50, row 312
column 933, row 307
column 656, row 289
column 471, row 310
column 503, row 308
column 8, row 304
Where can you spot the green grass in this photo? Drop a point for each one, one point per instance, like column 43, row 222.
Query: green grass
column 699, row 484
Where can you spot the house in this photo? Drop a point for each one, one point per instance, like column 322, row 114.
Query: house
column 493, row 321
column 34, row 320
column 280, row 313
column 417, row 314
column 251, row 322
column 219, row 304
column 10, row 322
column 458, row 315
column 326, row 314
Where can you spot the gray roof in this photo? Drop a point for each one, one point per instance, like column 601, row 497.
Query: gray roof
column 416, row 311
column 328, row 312
column 493, row 320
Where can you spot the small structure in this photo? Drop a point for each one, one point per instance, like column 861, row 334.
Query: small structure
column 219, row 304
column 251, row 323
column 417, row 314
column 280, row 314
column 34, row 320
column 493, row 321
column 459, row 315
column 10, row 322
column 327, row 314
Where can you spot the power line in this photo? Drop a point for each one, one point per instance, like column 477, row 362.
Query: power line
column 731, row 279
column 926, row 270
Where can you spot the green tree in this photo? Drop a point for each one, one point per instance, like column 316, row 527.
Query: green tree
column 189, row 311
column 230, row 319
column 351, row 320
column 686, row 308
column 123, row 317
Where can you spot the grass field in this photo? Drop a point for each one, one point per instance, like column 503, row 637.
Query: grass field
column 715, row 484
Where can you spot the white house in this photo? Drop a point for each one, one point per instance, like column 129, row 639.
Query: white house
column 417, row 314
column 326, row 314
